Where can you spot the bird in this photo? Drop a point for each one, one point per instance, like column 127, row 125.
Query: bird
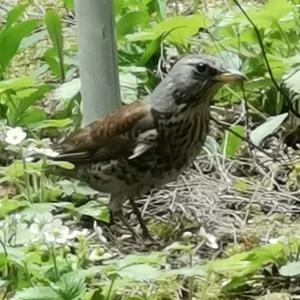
column 144, row 145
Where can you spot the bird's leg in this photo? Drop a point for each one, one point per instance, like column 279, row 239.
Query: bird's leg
column 127, row 225
column 145, row 230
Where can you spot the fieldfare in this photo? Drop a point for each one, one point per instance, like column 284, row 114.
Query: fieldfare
column 146, row 144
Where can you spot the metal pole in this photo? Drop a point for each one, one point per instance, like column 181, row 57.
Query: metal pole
column 100, row 88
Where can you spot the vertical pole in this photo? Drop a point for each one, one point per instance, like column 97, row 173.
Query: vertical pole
column 100, row 88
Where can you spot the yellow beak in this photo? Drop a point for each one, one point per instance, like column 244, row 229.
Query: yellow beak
column 229, row 76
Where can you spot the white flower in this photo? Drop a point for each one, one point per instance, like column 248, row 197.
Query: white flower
column 210, row 239
column 56, row 232
column 80, row 233
column 50, row 230
column 14, row 136
column 45, row 151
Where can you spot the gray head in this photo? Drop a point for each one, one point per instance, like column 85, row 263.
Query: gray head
column 193, row 79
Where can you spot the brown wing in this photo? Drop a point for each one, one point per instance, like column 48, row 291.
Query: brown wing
column 115, row 135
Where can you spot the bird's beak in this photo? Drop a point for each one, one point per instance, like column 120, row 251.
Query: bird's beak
column 229, row 76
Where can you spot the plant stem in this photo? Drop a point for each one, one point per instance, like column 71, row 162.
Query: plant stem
column 54, row 262
column 42, row 181
column 191, row 279
column 26, row 176
column 114, row 277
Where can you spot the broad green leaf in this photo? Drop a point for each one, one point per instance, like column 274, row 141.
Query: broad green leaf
column 32, row 116
column 154, row 258
column 118, row 6
column 231, row 142
column 54, row 28
column 262, row 131
column 94, row 210
column 36, row 209
column 76, row 187
column 50, row 57
column 11, row 38
column 16, row 84
column 245, row 263
column 70, row 286
column 68, row 90
column 129, row 87
column 28, row 97
column 177, row 29
column 150, row 50
column 16, row 170
column 8, row 206
column 37, row 293
column 62, row 164
column 14, row 15
column 69, row 4
column 290, row 269
column 52, row 123
column 142, row 272
column 130, row 21
column 3, row 262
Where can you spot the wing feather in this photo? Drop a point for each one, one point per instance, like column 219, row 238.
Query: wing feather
column 123, row 133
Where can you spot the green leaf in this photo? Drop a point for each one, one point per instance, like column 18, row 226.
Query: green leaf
column 62, row 164
column 70, row 286
column 16, row 84
column 150, row 50
column 259, row 133
column 142, row 272
column 231, row 142
column 52, row 123
column 32, row 116
column 14, row 15
column 28, row 97
column 154, row 258
column 69, row 4
column 8, row 206
column 3, row 262
column 16, row 170
column 245, row 263
column 77, row 187
column 177, row 29
column 37, row 293
column 68, row 90
column 129, row 21
column 94, row 210
column 129, row 87
column 54, row 28
column 11, row 38
column 290, row 269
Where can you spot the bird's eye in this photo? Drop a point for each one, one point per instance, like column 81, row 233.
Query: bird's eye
column 202, row 68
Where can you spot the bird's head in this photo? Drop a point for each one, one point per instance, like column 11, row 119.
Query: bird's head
column 193, row 79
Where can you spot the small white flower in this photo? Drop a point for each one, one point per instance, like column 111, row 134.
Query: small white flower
column 50, row 230
column 45, row 151
column 210, row 239
column 80, row 233
column 14, row 136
